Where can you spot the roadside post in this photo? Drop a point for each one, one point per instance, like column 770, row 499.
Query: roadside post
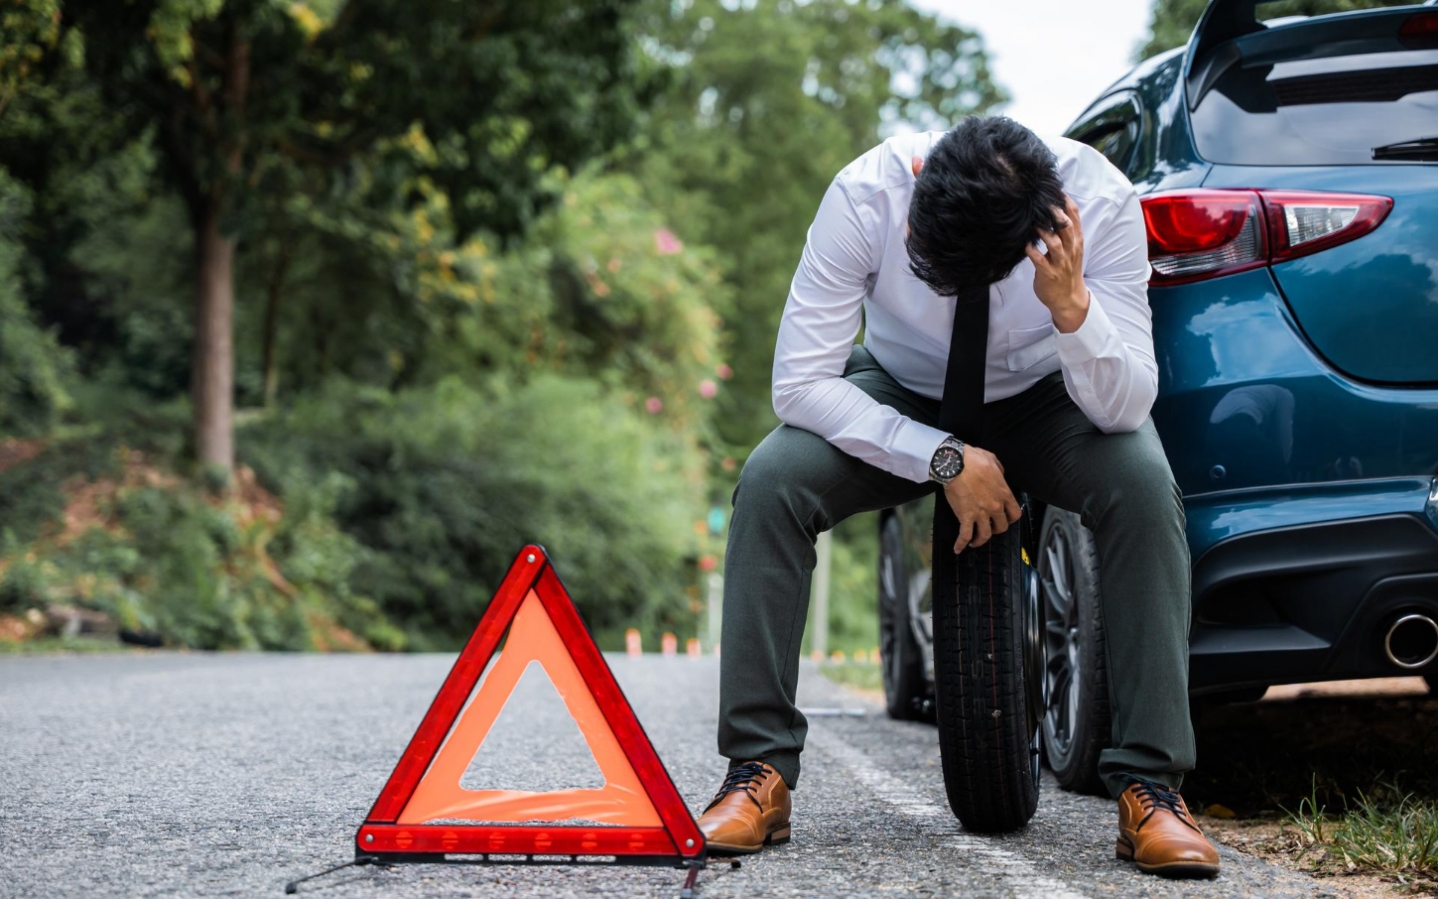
column 819, row 594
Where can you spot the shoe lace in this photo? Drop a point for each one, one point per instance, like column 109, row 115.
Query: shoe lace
column 1155, row 797
column 742, row 778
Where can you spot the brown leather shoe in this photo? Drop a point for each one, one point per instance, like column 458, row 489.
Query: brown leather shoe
column 750, row 811
column 1156, row 832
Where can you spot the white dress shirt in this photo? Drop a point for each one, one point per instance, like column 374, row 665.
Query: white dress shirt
column 855, row 263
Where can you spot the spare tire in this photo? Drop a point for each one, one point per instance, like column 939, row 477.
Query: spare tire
column 985, row 636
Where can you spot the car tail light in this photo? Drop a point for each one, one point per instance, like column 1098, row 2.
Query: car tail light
column 1300, row 222
column 1194, row 235
column 1197, row 234
column 1420, row 31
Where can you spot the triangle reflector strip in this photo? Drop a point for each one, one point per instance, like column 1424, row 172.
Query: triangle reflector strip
column 424, row 811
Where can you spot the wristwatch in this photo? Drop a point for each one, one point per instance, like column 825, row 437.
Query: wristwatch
column 948, row 461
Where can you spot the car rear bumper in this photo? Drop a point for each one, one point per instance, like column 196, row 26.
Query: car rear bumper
column 1304, row 586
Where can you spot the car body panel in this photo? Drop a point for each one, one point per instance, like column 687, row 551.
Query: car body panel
column 1245, row 402
column 1370, row 307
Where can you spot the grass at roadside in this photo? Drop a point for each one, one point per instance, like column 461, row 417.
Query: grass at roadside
column 865, row 676
column 45, row 645
column 1335, row 786
column 1397, row 836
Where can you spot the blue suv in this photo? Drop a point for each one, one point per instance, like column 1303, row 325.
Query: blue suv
column 1289, row 176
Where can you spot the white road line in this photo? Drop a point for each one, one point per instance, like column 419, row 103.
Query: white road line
column 982, row 855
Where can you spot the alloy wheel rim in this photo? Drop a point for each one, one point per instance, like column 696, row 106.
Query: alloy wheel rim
column 888, row 611
column 1062, row 642
column 1035, row 682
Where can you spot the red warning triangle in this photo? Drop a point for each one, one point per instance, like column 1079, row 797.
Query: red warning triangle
column 423, row 809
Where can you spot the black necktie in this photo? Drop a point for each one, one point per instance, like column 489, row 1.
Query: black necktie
column 961, row 413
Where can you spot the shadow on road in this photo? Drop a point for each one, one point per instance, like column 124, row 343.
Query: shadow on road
column 1269, row 756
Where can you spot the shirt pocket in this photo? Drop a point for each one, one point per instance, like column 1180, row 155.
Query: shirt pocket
column 1030, row 346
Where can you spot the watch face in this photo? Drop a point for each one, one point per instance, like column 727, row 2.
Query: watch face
column 946, row 462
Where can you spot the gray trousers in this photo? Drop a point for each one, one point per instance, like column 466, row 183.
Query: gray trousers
column 796, row 485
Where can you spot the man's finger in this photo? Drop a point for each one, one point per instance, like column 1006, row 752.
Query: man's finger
column 1055, row 245
column 1073, row 234
column 1061, row 218
column 1040, row 261
column 966, row 533
column 1012, row 509
column 983, row 531
column 999, row 523
column 1071, row 208
column 1068, row 232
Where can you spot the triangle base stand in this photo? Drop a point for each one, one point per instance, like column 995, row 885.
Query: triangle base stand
column 364, row 859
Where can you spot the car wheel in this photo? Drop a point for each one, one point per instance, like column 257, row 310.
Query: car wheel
column 987, row 723
column 906, row 690
column 1076, row 725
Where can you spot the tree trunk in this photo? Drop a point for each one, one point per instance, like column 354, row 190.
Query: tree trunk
column 212, row 374
column 272, row 326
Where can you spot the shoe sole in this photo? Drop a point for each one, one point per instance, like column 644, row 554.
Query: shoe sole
column 776, row 838
column 1176, row 870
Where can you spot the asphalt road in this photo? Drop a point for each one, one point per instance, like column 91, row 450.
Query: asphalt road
column 228, row 775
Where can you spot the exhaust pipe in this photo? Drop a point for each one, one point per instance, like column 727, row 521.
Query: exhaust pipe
column 1411, row 641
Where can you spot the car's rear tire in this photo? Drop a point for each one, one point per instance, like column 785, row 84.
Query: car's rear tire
column 986, row 730
column 1076, row 725
column 906, row 690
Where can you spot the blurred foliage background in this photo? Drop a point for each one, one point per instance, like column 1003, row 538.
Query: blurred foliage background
column 313, row 312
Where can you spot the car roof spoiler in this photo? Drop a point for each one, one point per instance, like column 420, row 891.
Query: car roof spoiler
column 1214, row 46
column 1218, row 27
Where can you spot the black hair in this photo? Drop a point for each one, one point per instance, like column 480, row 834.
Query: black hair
column 985, row 190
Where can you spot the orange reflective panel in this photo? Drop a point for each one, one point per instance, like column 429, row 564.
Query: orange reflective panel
column 439, row 797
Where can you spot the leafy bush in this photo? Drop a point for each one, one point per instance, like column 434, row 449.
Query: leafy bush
column 165, row 559
column 854, row 588
column 33, row 366
column 443, row 485
column 32, row 493
column 600, row 290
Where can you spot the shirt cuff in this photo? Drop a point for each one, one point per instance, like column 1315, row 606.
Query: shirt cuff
column 913, row 450
column 1094, row 339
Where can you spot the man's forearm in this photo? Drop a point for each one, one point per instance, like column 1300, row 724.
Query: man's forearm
column 1069, row 315
column 859, row 425
column 1108, row 381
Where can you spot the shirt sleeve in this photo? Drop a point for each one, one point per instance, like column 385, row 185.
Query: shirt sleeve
column 1108, row 363
column 821, row 320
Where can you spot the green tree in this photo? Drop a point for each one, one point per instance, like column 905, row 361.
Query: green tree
column 1173, row 21
column 33, row 367
column 29, row 30
column 252, row 100
column 765, row 101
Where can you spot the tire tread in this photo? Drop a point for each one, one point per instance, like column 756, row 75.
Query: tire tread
column 978, row 646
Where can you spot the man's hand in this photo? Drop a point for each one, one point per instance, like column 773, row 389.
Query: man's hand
column 1058, row 277
column 981, row 499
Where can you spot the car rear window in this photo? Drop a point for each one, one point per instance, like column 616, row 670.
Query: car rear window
column 1331, row 111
